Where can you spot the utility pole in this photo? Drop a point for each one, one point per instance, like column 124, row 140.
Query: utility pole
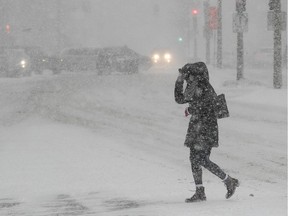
column 240, row 25
column 240, row 56
column 219, row 35
column 207, row 30
column 275, row 6
column 58, row 25
column 4, row 22
column 195, row 31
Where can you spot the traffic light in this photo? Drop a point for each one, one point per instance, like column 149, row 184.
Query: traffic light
column 194, row 11
column 180, row 39
column 7, row 28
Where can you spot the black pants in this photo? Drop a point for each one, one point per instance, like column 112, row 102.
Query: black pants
column 201, row 158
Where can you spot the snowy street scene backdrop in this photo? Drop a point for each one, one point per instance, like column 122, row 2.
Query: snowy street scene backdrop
column 113, row 145
column 84, row 143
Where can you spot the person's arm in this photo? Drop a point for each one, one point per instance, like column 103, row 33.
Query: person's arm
column 178, row 91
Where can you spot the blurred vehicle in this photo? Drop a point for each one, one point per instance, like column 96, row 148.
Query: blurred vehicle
column 122, row 59
column 37, row 58
column 41, row 61
column 161, row 57
column 53, row 63
column 145, row 63
column 104, row 60
column 14, row 62
column 79, row 59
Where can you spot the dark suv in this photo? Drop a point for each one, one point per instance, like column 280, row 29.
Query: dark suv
column 104, row 60
column 122, row 59
column 79, row 59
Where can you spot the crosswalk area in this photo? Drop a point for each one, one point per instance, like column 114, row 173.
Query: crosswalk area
column 68, row 205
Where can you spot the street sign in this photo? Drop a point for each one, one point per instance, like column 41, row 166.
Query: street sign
column 213, row 18
column 240, row 6
column 271, row 17
column 240, row 22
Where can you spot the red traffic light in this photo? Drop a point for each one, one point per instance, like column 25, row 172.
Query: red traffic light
column 194, row 11
column 7, row 28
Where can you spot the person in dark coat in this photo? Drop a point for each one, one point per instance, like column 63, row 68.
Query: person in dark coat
column 202, row 133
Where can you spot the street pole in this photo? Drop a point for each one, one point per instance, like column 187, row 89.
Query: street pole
column 208, row 60
column 58, row 25
column 240, row 8
column 240, row 56
column 207, row 31
column 219, row 35
column 277, row 74
column 195, row 31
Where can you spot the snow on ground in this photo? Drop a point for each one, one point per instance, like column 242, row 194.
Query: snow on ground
column 82, row 144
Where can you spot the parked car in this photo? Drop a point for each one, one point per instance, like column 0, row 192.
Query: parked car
column 14, row 62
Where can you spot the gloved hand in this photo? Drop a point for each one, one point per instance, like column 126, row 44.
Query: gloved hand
column 186, row 112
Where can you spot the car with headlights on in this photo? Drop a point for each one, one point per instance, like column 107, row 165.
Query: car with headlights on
column 14, row 62
column 161, row 57
column 36, row 56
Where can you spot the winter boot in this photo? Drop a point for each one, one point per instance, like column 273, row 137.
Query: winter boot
column 231, row 185
column 198, row 196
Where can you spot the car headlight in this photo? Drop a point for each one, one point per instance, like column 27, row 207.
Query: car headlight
column 23, row 64
column 167, row 57
column 156, row 58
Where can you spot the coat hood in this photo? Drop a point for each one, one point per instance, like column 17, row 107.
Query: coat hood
column 198, row 69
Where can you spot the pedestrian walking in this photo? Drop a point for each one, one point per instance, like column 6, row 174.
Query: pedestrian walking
column 205, row 107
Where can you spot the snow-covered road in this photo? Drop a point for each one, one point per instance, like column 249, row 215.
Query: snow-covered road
column 82, row 144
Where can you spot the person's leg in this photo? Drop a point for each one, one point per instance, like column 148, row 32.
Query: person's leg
column 212, row 167
column 230, row 183
column 197, row 175
column 196, row 168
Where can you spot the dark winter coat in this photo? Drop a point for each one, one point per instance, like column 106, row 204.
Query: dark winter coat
column 202, row 132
